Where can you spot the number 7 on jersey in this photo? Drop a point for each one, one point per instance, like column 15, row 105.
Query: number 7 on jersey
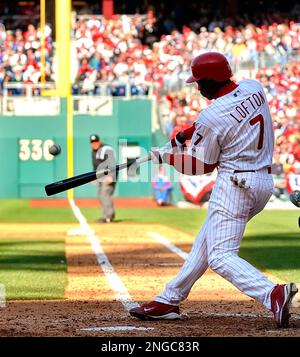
column 259, row 119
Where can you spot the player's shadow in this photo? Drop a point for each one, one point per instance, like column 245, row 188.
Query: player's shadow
column 119, row 220
column 274, row 251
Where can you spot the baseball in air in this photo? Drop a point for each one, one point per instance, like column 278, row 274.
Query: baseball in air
column 54, row 149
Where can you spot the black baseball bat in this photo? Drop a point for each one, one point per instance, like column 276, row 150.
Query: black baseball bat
column 75, row 181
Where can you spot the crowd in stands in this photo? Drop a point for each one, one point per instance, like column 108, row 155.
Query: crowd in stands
column 20, row 56
column 127, row 49
column 129, row 53
column 16, row 14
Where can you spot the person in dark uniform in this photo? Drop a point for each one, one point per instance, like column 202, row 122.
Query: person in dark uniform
column 103, row 156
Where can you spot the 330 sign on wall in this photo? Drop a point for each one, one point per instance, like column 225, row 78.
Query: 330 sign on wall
column 35, row 149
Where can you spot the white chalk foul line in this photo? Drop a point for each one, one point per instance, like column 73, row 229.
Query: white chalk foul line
column 119, row 289
column 168, row 244
column 84, row 229
column 121, row 293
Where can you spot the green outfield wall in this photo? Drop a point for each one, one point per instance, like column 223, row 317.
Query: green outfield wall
column 26, row 165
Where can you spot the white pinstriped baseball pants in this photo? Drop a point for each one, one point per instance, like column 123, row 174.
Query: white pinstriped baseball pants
column 218, row 242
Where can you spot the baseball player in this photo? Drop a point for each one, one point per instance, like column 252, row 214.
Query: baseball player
column 234, row 134
column 102, row 157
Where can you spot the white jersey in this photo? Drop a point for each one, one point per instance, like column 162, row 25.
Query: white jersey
column 236, row 130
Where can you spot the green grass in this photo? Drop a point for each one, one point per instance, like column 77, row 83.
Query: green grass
column 272, row 243
column 19, row 211
column 33, row 269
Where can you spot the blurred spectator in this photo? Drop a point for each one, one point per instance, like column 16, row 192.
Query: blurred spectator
column 20, row 56
column 280, row 190
column 293, row 178
column 162, row 187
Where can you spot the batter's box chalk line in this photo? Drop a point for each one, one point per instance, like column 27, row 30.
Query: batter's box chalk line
column 2, row 296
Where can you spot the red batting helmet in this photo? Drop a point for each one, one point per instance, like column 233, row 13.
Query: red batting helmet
column 210, row 65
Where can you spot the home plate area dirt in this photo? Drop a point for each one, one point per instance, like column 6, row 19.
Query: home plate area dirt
column 137, row 266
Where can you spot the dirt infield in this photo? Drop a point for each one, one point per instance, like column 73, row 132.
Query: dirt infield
column 128, row 202
column 94, row 301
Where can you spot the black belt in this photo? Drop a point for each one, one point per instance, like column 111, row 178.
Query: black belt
column 240, row 171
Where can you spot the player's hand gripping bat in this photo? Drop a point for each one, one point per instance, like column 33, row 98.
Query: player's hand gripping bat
column 82, row 179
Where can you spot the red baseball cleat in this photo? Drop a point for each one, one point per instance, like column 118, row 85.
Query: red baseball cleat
column 281, row 298
column 156, row 311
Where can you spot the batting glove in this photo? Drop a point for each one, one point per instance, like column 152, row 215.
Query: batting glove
column 158, row 154
column 175, row 146
column 180, row 138
column 156, row 157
